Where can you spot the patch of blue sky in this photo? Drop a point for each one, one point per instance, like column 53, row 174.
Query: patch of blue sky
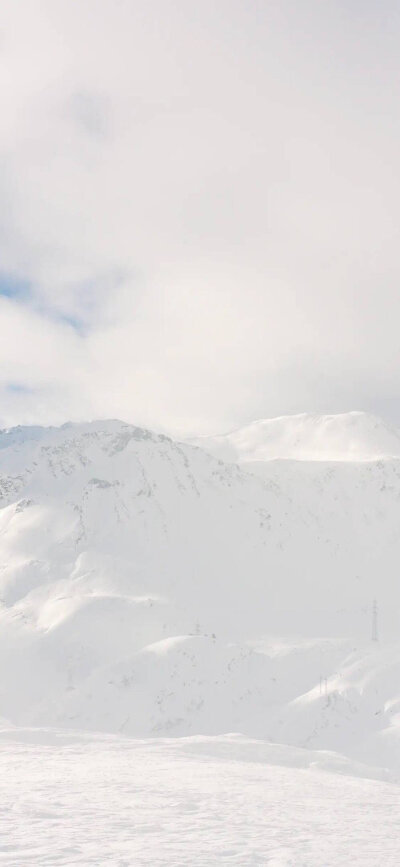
column 13, row 286
column 20, row 289
column 18, row 388
column 75, row 322
column 88, row 296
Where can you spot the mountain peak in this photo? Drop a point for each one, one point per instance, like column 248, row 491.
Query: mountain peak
column 350, row 436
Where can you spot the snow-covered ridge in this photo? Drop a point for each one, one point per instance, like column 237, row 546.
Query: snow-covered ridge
column 352, row 436
column 150, row 588
column 21, row 435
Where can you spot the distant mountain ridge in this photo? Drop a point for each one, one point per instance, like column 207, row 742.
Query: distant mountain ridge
column 148, row 587
column 352, row 436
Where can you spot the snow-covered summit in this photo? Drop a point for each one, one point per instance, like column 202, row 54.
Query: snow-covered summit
column 351, row 436
column 103, row 428
column 149, row 587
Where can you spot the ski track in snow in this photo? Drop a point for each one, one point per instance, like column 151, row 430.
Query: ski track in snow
column 69, row 799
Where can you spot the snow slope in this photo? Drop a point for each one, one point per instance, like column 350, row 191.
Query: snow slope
column 69, row 800
column 148, row 588
column 352, row 436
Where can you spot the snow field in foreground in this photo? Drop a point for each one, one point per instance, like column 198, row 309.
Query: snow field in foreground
column 69, row 799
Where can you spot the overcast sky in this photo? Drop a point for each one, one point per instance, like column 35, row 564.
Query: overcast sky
column 199, row 210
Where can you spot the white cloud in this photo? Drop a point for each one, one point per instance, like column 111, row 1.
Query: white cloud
column 209, row 193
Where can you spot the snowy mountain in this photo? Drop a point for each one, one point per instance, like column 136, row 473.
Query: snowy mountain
column 352, row 436
column 149, row 588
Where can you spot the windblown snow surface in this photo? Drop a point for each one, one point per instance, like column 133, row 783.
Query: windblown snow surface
column 192, row 802
column 351, row 436
column 154, row 593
